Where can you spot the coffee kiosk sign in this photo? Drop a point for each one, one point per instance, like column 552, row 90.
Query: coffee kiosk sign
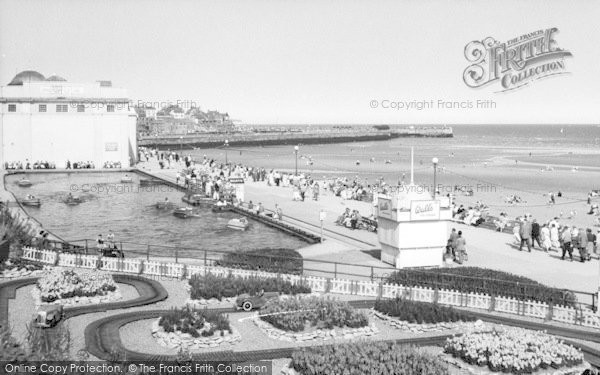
column 425, row 210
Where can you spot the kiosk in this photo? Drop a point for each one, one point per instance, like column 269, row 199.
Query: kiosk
column 413, row 227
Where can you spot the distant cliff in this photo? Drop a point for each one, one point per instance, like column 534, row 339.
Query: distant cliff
column 314, row 136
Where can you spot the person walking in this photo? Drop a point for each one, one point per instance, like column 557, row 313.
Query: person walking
column 452, row 242
column 554, row 236
column 461, row 248
column 525, row 234
column 583, row 244
column 535, row 234
column 565, row 239
column 546, row 241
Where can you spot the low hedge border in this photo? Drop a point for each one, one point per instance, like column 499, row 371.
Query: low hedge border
column 483, row 280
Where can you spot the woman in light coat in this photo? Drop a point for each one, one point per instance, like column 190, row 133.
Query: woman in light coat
column 554, row 237
column 546, row 241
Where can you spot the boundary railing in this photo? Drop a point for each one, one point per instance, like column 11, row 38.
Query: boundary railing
column 527, row 308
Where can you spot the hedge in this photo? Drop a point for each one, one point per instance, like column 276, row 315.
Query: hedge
column 361, row 358
column 194, row 322
column 290, row 314
column 268, row 260
column 483, row 280
column 219, row 287
column 420, row 312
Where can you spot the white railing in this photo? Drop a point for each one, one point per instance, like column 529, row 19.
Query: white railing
column 584, row 317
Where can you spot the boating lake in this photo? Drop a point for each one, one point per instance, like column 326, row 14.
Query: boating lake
column 129, row 210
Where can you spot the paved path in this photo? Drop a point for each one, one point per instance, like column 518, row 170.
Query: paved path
column 486, row 248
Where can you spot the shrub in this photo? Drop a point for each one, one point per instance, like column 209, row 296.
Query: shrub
column 194, row 322
column 380, row 358
column 268, row 260
column 57, row 284
column 291, row 314
column 212, row 286
column 420, row 312
column 483, row 280
column 41, row 345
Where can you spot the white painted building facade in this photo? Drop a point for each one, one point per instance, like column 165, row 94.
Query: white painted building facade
column 53, row 120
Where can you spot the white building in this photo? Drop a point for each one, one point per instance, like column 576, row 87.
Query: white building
column 53, row 120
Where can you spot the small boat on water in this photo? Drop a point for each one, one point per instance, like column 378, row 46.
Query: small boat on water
column 126, row 180
column 145, row 182
column 24, row 183
column 196, row 199
column 238, row 224
column 184, row 212
column 164, row 205
column 31, row 201
column 73, row 201
column 216, row 208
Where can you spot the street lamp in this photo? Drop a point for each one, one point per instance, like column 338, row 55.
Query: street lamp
column 296, row 148
column 226, row 145
column 435, row 163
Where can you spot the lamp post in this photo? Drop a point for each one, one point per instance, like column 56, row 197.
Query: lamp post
column 296, row 148
column 226, row 145
column 435, row 163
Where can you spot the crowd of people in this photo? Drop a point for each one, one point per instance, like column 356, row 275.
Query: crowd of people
column 39, row 164
column 552, row 235
column 112, row 165
column 80, row 164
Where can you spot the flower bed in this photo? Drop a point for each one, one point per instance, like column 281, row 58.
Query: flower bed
column 69, row 284
column 193, row 329
column 380, row 358
column 513, row 350
column 431, row 327
column 268, row 260
column 219, row 287
column 420, row 312
column 18, row 268
column 292, row 314
column 483, row 280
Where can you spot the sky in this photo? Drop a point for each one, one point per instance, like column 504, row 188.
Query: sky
column 308, row 62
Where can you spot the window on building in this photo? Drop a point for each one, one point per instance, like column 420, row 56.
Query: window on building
column 62, row 108
column 12, row 108
column 80, row 108
column 42, row 108
column 110, row 108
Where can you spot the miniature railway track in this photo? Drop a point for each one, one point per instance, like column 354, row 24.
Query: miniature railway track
column 102, row 337
column 150, row 292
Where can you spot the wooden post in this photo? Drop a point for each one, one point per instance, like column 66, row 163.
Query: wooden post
column 176, row 255
column 148, row 253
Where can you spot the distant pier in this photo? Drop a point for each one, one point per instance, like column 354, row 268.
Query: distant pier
column 266, row 138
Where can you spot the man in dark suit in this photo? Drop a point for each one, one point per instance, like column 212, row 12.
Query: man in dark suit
column 535, row 234
column 525, row 233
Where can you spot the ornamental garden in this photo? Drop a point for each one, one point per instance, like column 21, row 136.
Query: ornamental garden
column 321, row 333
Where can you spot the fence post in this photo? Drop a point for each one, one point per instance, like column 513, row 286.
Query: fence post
column 372, row 273
column 86, row 247
column 176, row 255
column 148, row 253
column 205, row 265
column 335, row 270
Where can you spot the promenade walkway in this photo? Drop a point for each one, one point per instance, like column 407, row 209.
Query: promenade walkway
column 486, row 248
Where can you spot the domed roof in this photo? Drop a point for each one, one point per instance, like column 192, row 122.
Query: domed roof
column 27, row 76
column 54, row 77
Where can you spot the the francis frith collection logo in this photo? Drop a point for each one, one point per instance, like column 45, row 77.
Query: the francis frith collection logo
column 514, row 63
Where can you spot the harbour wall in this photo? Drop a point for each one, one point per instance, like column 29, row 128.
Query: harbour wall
column 286, row 138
